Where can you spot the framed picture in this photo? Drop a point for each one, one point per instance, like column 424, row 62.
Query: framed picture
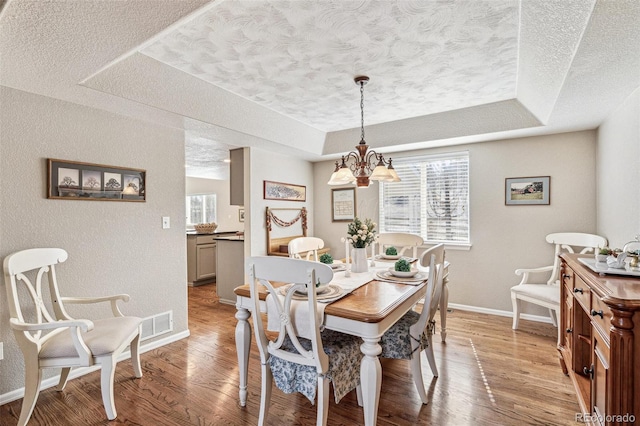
column 70, row 180
column 284, row 191
column 241, row 215
column 527, row 191
column 343, row 204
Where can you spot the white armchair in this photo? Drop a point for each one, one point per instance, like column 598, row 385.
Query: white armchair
column 57, row 340
column 547, row 293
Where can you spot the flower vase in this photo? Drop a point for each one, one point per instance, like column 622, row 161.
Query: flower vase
column 359, row 260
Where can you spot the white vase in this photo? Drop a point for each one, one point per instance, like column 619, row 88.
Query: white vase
column 359, row 260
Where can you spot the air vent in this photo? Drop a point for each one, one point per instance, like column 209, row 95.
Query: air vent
column 156, row 325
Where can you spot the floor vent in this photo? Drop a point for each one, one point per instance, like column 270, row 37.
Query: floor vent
column 156, row 325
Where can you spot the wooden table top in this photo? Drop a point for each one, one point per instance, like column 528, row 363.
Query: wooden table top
column 369, row 303
column 614, row 289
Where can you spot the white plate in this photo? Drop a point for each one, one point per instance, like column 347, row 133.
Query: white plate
column 401, row 274
column 330, row 291
column 338, row 267
column 390, row 257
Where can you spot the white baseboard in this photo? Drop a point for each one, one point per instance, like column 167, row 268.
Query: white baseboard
column 500, row 313
column 77, row 372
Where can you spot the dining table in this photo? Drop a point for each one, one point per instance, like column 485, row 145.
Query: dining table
column 368, row 312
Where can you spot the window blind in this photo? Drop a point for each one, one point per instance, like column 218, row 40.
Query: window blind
column 432, row 199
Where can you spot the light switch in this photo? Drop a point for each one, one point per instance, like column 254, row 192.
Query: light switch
column 166, row 223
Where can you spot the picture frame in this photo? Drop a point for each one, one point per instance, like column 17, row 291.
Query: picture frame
column 343, row 204
column 73, row 180
column 527, row 191
column 284, row 191
column 241, row 215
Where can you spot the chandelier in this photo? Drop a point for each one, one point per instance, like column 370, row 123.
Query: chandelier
column 365, row 165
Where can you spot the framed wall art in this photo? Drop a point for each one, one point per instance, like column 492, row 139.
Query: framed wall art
column 527, row 191
column 343, row 204
column 284, row 191
column 71, row 180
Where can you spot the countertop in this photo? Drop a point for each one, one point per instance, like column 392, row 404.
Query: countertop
column 227, row 236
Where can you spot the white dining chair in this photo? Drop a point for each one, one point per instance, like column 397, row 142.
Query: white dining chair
column 402, row 241
column 57, row 340
column 297, row 364
column 543, row 292
column 412, row 334
column 305, row 245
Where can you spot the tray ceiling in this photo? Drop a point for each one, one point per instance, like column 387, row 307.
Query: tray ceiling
column 278, row 75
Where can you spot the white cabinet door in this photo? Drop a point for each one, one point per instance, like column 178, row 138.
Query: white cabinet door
column 205, row 261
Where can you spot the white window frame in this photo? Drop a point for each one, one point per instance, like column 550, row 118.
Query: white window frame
column 423, row 214
column 204, row 208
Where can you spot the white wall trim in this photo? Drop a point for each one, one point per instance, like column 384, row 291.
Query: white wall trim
column 537, row 318
column 77, row 372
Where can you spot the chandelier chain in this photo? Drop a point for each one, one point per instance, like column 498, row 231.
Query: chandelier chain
column 362, row 110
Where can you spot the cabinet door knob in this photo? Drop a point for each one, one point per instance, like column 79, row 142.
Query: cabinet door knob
column 578, row 290
column 588, row 371
column 595, row 313
column 569, row 330
column 566, row 276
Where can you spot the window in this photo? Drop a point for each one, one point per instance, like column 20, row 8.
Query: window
column 432, row 200
column 201, row 209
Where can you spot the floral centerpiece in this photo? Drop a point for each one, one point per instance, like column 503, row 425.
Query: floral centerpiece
column 362, row 233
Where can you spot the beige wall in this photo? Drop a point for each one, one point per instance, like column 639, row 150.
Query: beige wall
column 227, row 214
column 114, row 247
column 618, row 170
column 503, row 238
column 265, row 165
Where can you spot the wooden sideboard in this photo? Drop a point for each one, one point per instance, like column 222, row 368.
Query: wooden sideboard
column 600, row 342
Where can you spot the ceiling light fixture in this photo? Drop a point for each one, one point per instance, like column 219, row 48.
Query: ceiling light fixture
column 366, row 166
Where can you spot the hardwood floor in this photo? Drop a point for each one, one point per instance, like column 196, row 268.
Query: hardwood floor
column 489, row 375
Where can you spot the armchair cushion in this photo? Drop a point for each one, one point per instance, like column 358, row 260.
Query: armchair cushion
column 344, row 366
column 543, row 292
column 107, row 335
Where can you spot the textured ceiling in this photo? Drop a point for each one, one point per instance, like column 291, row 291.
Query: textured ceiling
column 297, row 58
column 278, row 75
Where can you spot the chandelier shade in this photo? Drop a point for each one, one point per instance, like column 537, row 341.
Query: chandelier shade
column 362, row 166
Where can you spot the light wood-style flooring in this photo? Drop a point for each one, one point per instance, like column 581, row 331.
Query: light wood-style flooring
column 489, row 375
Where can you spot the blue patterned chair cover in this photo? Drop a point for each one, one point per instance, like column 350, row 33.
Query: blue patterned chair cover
column 344, row 366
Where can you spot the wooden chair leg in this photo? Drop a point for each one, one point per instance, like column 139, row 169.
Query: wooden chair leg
column 432, row 359
column 516, row 311
column 416, row 373
column 64, row 376
column 135, row 356
column 554, row 317
column 323, row 401
column 265, row 394
column 106, row 384
column 32, row 383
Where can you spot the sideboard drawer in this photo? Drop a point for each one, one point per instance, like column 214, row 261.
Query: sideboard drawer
column 582, row 293
column 205, row 239
column 601, row 315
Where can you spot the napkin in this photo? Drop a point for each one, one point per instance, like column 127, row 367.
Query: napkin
column 617, row 262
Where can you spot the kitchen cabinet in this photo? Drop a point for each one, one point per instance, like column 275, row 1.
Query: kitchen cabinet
column 601, row 319
column 201, row 259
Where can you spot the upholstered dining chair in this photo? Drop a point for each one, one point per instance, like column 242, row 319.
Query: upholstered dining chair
column 308, row 245
column 299, row 364
column 412, row 334
column 547, row 293
column 400, row 240
column 55, row 339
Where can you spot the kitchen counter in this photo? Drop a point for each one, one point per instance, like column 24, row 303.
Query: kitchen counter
column 230, row 260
